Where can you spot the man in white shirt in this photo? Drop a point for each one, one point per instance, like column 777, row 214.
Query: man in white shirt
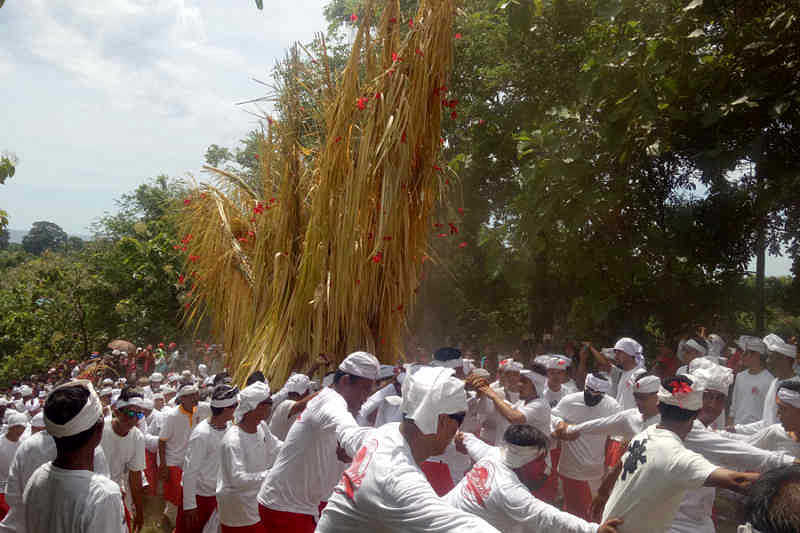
column 151, row 439
column 628, row 354
column 582, row 462
column 657, row 469
column 498, row 488
column 9, row 442
column 284, row 415
column 65, row 495
column 384, row 488
column 177, row 425
column 201, row 466
column 156, row 378
column 752, row 384
column 123, row 446
column 557, row 378
column 247, row 452
column 784, row 436
column 310, row 463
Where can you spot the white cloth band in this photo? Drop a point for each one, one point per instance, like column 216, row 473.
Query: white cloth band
column 558, row 362
column 249, row 398
column 518, row 456
column 648, row 385
column 17, row 419
column 135, row 402
column 38, row 420
column 713, row 376
column 85, row 419
column 539, row 381
column 361, row 364
column 227, row 402
column 597, row 384
column 430, row 392
column 186, row 390
column 694, row 345
column 789, row 396
column 691, row 400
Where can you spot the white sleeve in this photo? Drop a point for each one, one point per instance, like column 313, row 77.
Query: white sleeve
column 751, row 428
column 108, row 515
column 734, row 454
column 735, row 400
column 138, row 463
column 536, row 516
column 233, row 469
column 192, row 465
column 351, row 437
column 476, row 448
column 616, row 424
column 166, row 428
column 689, row 469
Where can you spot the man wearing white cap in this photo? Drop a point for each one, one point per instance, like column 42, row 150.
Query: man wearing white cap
column 156, row 378
column 201, row 466
column 657, row 469
column 582, row 462
column 177, row 425
column 65, row 495
column 498, row 488
column 628, row 354
column 9, row 443
column 752, row 384
column 308, row 465
column 246, row 454
column 557, row 378
column 783, row 436
column 369, row 410
column 285, row 414
column 384, row 488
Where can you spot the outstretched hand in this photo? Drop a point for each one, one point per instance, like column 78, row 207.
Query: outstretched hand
column 610, row 526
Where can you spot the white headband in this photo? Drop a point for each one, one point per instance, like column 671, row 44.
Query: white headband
column 361, row 364
column 648, row 385
column 789, row 396
column 135, row 402
column 515, row 456
column 227, row 402
column 249, row 398
column 696, row 346
column 85, row 419
column 598, row 384
column 186, row 390
column 689, row 397
column 539, row 381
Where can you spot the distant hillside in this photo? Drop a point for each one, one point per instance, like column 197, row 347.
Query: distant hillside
column 16, row 235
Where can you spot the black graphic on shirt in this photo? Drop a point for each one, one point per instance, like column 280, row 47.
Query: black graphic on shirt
column 636, row 455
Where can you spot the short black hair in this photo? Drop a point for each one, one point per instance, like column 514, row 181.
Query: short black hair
column 526, row 435
column 791, row 384
column 255, row 377
column 219, row 378
column 222, row 392
column 339, row 374
column 642, row 375
column 63, row 405
column 673, row 413
column 447, row 354
column 130, row 392
column 772, row 504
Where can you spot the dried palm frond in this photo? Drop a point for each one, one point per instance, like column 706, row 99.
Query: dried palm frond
column 327, row 255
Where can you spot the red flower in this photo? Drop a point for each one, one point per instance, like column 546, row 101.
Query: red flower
column 175, row 247
column 377, row 96
column 337, row 139
column 242, row 239
column 447, row 182
column 400, row 307
column 186, row 201
column 353, row 17
column 259, row 208
column 445, row 102
column 256, row 156
column 396, row 58
column 181, row 278
column 186, row 305
column 443, row 235
column 183, row 248
column 194, row 258
column 461, row 210
column 362, row 102
column 387, row 238
column 437, row 167
column 452, row 104
column 411, row 23
column 680, row 387
column 272, row 200
column 453, row 115
column 481, row 122
column 458, row 36
column 420, row 52
column 160, row 344
column 453, row 228
column 251, row 234
column 358, row 282
column 403, row 137
column 377, row 258
column 393, row 20
column 462, row 245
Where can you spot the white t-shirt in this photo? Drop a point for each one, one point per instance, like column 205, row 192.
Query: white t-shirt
column 280, row 422
column 176, row 427
column 776, row 439
column 72, row 501
column 626, row 387
column 492, row 491
column 307, row 467
column 537, row 414
column 201, row 466
column 7, row 451
column 657, row 471
column 244, row 462
column 389, row 411
column 553, row 397
column 153, row 432
column 749, row 393
column 373, row 402
column 384, row 490
column 123, row 454
column 32, row 453
column 627, row 424
column 583, row 459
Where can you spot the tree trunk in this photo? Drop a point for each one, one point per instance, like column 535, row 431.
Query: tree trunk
column 761, row 254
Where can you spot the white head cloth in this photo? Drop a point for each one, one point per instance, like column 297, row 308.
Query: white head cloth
column 557, row 362
column 683, row 395
column 631, row 347
column 132, row 402
column 3, row 401
column 202, row 369
column 297, row 383
column 227, row 402
column 752, row 344
column 469, row 366
column 85, row 419
column 789, row 396
column 186, row 390
column 714, row 377
column 25, row 391
column 515, row 456
column 18, row 419
column 38, row 420
column 715, row 346
column 482, row 372
column 385, row 372
column 361, row 364
column 597, row 383
column 778, row 345
column 249, row 398
column 148, row 404
column 696, row 346
column 430, row 392
column 648, row 385
column 514, row 366
column 108, row 382
column 539, row 381
column 156, row 377
column 541, row 360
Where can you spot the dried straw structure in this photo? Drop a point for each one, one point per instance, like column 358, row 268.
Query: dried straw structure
column 327, row 254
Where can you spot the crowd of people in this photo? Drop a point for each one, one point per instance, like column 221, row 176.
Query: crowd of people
column 588, row 441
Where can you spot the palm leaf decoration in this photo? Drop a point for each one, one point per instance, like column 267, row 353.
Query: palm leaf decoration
column 325, row 252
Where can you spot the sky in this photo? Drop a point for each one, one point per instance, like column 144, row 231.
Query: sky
column 101, row 95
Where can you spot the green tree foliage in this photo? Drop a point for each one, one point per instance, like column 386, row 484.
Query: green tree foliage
column 4, row 239
column 43, row 236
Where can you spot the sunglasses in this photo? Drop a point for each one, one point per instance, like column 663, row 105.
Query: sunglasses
column 458, row 417
column 130, row 413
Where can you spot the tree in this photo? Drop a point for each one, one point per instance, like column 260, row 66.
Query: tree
column 44, row 236
column 8, row 164
column 4, row 238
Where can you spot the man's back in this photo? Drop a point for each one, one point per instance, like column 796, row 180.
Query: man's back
column 72, row 501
